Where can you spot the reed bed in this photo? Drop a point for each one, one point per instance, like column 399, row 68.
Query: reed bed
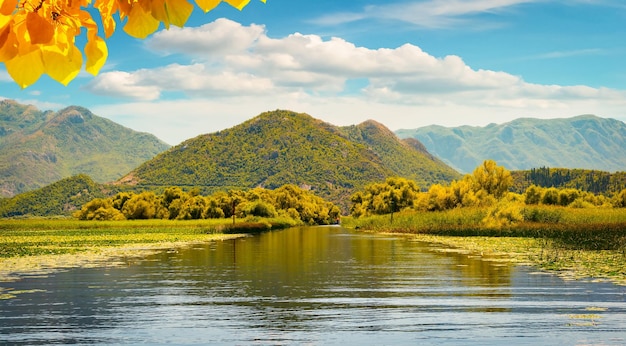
column 583, row 242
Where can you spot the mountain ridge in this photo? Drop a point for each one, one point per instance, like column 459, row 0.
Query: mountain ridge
column 585, row 141
column 38, row 148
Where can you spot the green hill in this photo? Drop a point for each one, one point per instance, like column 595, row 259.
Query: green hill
column 38, row 148
column 59, row 198
column 586, row 142
column 280, row 147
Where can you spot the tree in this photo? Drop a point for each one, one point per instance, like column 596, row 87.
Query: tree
column 493, row 179
column 99, row 209
column 39, row 36
column 533, row 194
column 393, row 195
column 141, row 206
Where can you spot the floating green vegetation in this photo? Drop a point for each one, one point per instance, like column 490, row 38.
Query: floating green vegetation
column 42, row 245
column 49, row 237
column 584, row 320
column 576, row 243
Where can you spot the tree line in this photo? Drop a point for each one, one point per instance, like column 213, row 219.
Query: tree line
column 485, row 187
column 176, row 204
column 598, row 182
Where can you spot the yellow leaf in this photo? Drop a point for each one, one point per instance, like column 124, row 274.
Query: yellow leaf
column 178, row 11
column 140, row 23
column 8, row 44
column 96, row 52
column 62, row 68
column 4, row 20
column 207, row 5
column 158, row 10
column 7, row 7
column 25, row 69
column 238, row 4
column 106, row 9
column 39, row 29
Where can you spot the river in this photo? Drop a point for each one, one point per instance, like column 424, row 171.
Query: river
column 314, row 286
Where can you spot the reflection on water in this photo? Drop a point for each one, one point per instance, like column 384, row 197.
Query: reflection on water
column 315, row 285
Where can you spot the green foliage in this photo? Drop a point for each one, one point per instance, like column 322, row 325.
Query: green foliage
column 583, row 141
column 542, row 214
column 594, row 181
column 287, row 201
column 502, row 214
column 619, row 201
column 492, row 179
column 27, row 237
column 38, row 148
column 60, row 198
column 583, row 229
column 486, row 185
column 283, row 147
column 393, row 195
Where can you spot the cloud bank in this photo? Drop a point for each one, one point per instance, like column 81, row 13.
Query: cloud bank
column 233, row 69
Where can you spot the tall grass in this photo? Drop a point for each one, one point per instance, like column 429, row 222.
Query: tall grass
column 584, row 229
column 574, row 242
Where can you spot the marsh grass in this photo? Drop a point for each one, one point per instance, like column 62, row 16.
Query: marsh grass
column 576, row 242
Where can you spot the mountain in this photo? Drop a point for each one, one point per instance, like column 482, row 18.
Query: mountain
column 38, row 148
column 585, row 141
column 280, row 147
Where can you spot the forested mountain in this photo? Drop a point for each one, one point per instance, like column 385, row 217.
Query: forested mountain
column 280, row 147
column 586, row 142
column 38, row 148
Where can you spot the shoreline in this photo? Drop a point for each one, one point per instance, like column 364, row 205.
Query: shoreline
column 567, row 264
column 18, row 267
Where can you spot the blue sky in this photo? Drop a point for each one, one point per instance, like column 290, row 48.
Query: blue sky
column 403, row 63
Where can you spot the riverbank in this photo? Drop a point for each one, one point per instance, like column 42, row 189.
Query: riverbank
column 575, row 244
column 42, row 246
column 599, row 265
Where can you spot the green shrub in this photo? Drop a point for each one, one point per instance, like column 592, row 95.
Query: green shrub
column 542, row 214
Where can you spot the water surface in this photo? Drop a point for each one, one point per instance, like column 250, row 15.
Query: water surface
column 312, row 285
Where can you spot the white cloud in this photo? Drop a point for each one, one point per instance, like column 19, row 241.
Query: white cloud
column 219, row 38
column 565, row 54
column 123, row 84
column 307, row 73
column 435, row 14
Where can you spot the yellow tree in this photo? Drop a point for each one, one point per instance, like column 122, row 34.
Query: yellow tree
column 491, row 178
column 39, row 36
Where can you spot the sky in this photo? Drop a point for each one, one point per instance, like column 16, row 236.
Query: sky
column 403, row 63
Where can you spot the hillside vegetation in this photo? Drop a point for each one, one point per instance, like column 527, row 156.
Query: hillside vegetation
column 584, row 142
column 594, row 181
column 283, row 147
column 60, row 198
column 38, row 148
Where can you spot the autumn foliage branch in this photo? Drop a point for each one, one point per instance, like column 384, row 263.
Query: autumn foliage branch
column 39, row 36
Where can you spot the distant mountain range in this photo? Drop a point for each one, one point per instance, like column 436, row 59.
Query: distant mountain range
column 281, row 147
column 584, row 141
column 277, row 148
column 38, row 148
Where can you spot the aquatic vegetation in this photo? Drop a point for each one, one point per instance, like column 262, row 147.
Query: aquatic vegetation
column 63, row 236
column 576, row 242
column 44, row 245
